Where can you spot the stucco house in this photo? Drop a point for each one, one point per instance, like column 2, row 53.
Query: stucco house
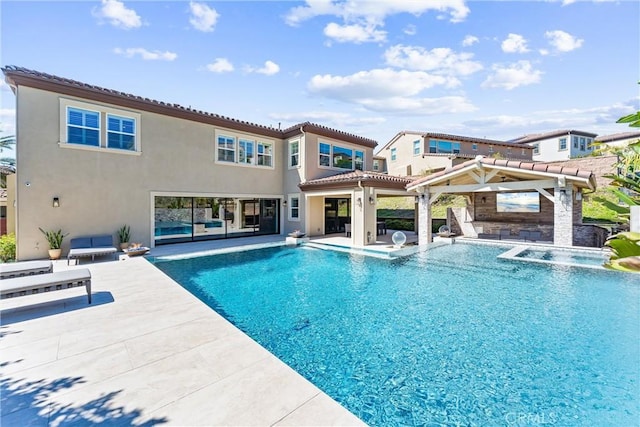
column 90, row 160
column 558, row 145
column 618, row 140
column 417, row 153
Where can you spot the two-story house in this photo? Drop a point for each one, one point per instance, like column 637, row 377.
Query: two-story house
column 558, row 145
column 619, row 140
column 90, row 160
column 418, row 153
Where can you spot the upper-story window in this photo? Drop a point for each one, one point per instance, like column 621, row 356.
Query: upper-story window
column 575, row 142
column 245, row 151
column 98, row 127
column 294, row 153
column 265, row 154
column 394, row 154
column 474, row 147
column 562, row 144
column 342, row 157
column 359, row 160
column 376, row 165
column 83, row 127
column 416, row 147
column 121, row 132
column 491, row 148
column 583, row 143
column 589, row 144
column 444, row 147
column 226, row 149
column 325, row 154
column 536, row 149
column 335, row 156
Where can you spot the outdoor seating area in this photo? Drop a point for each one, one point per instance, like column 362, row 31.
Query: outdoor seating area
column 34, row 277
column 90, row 246
column 505, row 234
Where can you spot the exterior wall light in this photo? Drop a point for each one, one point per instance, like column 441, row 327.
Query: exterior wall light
column 372, row 200
column 56, row 202
column 359, row 202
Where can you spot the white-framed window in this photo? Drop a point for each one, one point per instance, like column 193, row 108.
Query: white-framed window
column 294, row 153
column 246, row 153
column 416, row 147
column 491, row 148
column 359, row 160
column 376, row 165
column 589, row 143
column 474, row 147
column 226, row 149
column 324, row 154
column 265, row 154
column 536, row 149
column 294, row 207
column 83, row 127
column 583, row 143
column 523, row 152
column 98, row 127
column 121, row 132
column 394, row 154
column 575, row 142
column 562, row 144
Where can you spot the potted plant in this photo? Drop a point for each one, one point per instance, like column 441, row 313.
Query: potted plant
column 124, row 234
column 54, row 239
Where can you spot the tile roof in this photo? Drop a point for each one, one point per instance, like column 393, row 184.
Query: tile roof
column 24, row 76
column 468, row 139
column 512, row 164
column 618, row 136
column 351, row 178
column 539, row 136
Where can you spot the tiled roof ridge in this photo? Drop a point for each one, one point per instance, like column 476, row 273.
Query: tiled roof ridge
column 542, row 135
column 359, row 175
column 467, row 138
column 619, row 135
column 9, row 69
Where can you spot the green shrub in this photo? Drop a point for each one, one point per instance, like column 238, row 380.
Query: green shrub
column 400, row 224
column 8, row 247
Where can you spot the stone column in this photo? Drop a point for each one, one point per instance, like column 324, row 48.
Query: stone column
column 563, row 216
column 424, row 219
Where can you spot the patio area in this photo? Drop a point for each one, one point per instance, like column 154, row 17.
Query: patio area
column 146, row 352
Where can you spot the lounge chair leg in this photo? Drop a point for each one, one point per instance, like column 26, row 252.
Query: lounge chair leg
column 88, row 286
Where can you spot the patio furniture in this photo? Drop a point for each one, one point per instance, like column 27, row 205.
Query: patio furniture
column 381, row 227
column 524, row 235
column 25, row 268
column 535, row 236
column 347, row 230
column 505, row 233
column 39, row 283
column 91, row 246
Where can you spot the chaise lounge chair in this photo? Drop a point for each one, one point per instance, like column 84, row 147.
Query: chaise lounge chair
column 39, row 283
column 25, row 268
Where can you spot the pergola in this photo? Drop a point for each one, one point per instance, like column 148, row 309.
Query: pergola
column 481, row 179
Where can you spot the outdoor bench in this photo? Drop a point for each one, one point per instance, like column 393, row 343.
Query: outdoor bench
column 90, row 246
column 39, row 283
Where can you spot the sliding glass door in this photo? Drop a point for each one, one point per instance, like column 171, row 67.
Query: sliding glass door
column 186, row 219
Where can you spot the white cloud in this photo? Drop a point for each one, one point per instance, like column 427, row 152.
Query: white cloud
column 390, row 90
column 470, row 40
column 354, row 33
column 145, row 54
column 439, row 60
column 520, row 73
column 7, row 121
column 270, row 68
column 220, row 65
column 203, row 18
column 562, row 41
column 514, row 43
column 365, row 17
column 118, row 14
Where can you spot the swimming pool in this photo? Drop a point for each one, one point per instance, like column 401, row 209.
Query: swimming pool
column 448, row 336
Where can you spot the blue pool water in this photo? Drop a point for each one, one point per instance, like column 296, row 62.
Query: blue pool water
column 451, row 336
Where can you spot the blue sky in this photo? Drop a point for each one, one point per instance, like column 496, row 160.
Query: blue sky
column 489, row 69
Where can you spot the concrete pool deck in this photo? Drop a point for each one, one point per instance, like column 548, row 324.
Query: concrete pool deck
column 146, row 352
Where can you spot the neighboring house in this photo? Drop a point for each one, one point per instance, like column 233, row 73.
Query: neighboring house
column 558, row 145
column 379, row 164
column 417, row 153
column 92, row 159
column 6, row 175
column 619, row 139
